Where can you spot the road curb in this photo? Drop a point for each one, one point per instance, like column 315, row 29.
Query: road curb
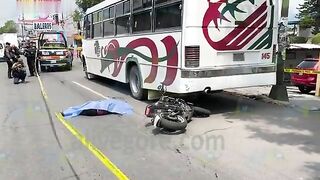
column 264, row 98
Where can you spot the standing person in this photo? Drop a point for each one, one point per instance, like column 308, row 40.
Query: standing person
column 71, row 51
column 15, row 53
column 8, row 58
column 30, row 54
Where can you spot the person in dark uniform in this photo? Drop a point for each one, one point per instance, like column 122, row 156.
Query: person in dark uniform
column 15, row 53
column 30, row 54
column 8, row 58
column 18, row 72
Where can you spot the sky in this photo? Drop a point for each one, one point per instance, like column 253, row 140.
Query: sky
column 9, row 10
column 293, row 8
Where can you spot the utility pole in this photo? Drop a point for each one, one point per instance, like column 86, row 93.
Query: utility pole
column 318, row 81
column 318, row 75
column 279, row 91
column 318, row 86
column 22, row 27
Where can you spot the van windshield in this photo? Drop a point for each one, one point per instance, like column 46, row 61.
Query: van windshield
column 53, row 45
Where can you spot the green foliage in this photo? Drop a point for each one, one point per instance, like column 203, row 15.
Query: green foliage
column 306, row 22
column 77, row 16
column 316, row 39
column 85, row 4
column 9, row 27
column 298, row 39
column 309, row 15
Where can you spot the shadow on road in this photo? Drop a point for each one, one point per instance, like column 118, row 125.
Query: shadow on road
column 279, row 125
column 115, row 85
column 314, row 167
column 240, row 108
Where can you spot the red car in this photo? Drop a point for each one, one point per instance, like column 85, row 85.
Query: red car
column 304, row 77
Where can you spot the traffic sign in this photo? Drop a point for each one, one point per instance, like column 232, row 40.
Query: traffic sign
column 42, row 26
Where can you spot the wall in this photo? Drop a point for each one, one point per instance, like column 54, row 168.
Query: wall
column 295, row 56
column 304, row 32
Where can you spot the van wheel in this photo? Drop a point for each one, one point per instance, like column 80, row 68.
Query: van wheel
column 135, row 82
column 69, row 66
column 304, row 89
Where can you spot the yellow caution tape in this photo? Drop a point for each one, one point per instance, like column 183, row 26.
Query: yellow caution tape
column 95, row 151
column 116, row 171
column 301, row 71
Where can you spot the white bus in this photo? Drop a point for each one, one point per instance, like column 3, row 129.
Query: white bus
column 188, row 45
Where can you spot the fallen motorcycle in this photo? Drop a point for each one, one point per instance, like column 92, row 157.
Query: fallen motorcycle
column 173, row 113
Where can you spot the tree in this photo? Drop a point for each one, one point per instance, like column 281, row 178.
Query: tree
column 297, row 39
column 77, row 16
column 85, row 4
column 316, row 39
column 9, row 27
column 309, row 15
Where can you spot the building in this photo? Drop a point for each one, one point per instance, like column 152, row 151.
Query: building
column 296, row 53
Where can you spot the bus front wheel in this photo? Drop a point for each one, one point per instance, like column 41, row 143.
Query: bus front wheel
column 135, row 82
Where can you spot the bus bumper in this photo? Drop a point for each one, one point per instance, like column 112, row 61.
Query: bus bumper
column 55, row 63
column 228, row 78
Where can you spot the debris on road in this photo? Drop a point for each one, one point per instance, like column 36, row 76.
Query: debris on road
column 98, row 108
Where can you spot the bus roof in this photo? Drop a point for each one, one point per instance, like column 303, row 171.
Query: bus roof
column 101, row 5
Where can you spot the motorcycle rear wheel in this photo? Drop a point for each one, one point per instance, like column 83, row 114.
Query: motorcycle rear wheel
column 200, row 112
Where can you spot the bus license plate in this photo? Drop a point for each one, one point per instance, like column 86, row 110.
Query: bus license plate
column 53, row 62
column 300, row 73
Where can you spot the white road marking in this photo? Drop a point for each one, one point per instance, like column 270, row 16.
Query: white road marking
column 91, row 90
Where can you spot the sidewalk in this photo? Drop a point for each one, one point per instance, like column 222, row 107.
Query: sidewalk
column 307, row 102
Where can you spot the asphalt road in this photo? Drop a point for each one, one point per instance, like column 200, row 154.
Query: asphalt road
column 243, row 139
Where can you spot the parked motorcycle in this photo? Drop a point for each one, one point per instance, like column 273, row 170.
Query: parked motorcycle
column 173, row 113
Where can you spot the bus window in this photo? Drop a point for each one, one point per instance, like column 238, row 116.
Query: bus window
column 168, row 16
column 106, row 13
column 123, row 20
column 119, row 9
column 137, row 4
column 97, row 30
column 140, row 4
column 97, row 17
column 97, row 24
column 87, row 26
column 112, row 12
column 142, row 21
column 108, row 21
column 108, row 28
column 123, row 25
column 126, row 7
column 164, row 1
column 147, row 3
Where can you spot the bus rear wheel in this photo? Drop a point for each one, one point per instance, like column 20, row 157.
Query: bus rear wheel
column 135, row 82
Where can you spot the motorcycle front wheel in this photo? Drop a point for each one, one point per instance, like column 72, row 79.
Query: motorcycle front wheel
column 173, row 123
